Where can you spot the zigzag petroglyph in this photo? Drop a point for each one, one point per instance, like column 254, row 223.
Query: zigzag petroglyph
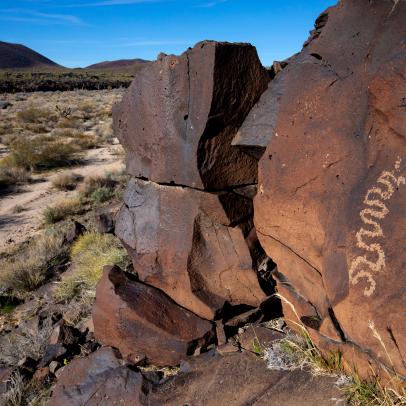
column 361, row 267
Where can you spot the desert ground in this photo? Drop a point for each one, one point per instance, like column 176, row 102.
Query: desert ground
column 79, row 124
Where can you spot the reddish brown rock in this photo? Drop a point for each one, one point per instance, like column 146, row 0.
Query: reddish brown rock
column 181, row 113
column 181, row 241
column 331, row 187
column 243, row 379
column 143, row 322
column 99, row 380
column 255, row 338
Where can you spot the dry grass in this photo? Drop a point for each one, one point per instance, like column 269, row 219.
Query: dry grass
column 25, row 393
column 66, row 181
column 299, row 351
column 45, row 132
column 27, row 269
column 33, row 114
column 40, row 152
column 62, row 209
column 93, row 183
column 11, row 176
column 89, row 254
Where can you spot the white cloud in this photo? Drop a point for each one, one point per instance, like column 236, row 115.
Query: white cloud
column 24, row 15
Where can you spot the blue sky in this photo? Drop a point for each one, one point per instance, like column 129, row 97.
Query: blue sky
column 81, row 32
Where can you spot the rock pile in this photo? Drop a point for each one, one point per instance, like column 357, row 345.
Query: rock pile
column 232, row 165
column 187, row 214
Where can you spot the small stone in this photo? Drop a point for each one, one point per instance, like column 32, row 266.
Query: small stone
column 53, row 366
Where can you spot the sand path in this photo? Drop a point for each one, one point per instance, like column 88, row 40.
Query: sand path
column 33, row 198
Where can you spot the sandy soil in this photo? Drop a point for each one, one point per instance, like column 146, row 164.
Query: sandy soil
column 34, row 197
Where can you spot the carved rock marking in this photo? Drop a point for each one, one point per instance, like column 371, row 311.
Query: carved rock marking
column 361, row 267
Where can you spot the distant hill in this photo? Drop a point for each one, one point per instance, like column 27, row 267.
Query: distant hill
column 119, row 64
column 16, row 56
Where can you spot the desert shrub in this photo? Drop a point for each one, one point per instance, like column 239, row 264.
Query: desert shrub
column 28, row 268
column 69, row 123
column 66, row 180
column 34, row 114
column 86, row 141
column 102, row 194
column 89, row 254
column 62, row 209
column 105, row 132
column 92, row 183
column 5, row 127
column 8, row 138
column 18, row 209
column 37, row 128
column 11, row 176
column 38, row 152
column 87, row 108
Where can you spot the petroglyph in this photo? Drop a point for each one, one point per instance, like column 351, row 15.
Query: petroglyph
column 361, row 267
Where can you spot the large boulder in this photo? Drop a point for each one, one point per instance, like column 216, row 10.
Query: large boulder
column 331, row 187
column 180, row 114
column 144, row 323
column 100, row 379
column 181, row 241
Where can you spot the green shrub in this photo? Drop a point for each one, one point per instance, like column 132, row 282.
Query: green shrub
column 102, row 194
column 89, row 254
column 92, row 183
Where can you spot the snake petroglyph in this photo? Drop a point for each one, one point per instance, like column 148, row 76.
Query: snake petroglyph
column 364, row 266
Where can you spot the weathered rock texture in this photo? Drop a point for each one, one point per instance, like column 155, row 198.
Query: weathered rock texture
column 181, row 241
column 187, row 214
column 100, row 379
column 331, row 189
column 143, row 322
column 243, row 379
column 237, row 378
column 180, row 115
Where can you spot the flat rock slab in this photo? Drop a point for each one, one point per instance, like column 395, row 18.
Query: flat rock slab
column 143, row 322
column 99, row 380
column 240, row 379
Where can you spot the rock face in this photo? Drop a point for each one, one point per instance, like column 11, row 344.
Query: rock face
column 187, row 214
column 181, row 241
column 99, row 380
column 332, row 191
column 143, row 322
column 180, row 115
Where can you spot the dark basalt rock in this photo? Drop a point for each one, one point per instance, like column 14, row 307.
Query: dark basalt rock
column 181, row 241
column 100, row 379
column 181, row 113
column 144, row 323
column 331, row 187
